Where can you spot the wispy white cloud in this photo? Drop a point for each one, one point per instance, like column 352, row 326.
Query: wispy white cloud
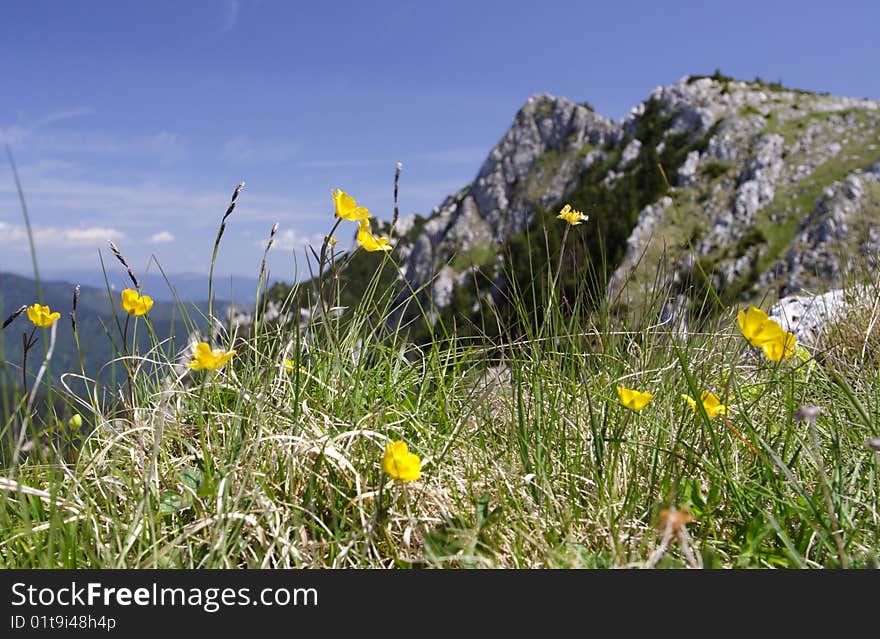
column 65, row 114
column 168, row 147
column 57, row 191
column 229, row 12
column 42, row 139
column 162, row 237
column 53, row 237
column 164, row 146
column 137, row 203
column 245, row 149
column 291, row 239
column 92, row 235
column 13, row 135
column 17, row 133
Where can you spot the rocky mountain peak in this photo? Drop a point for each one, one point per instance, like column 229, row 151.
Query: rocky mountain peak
column 766, row 185
column 503, row 191
column 533, row 164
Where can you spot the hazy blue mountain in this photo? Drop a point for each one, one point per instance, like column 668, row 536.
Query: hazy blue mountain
column 190, row 287
column 100, row 325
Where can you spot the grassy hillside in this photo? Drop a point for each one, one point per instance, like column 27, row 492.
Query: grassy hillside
column 527, row 456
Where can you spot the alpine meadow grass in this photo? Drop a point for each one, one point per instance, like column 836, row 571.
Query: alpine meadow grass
column 583, row 439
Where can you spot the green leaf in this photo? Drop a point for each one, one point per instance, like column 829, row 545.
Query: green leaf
column 711, row 560
column 206, row 487
column 170, row 502
column 191, row 478
column 482, row 509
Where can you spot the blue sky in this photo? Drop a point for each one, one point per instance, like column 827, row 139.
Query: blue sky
column 133, row 121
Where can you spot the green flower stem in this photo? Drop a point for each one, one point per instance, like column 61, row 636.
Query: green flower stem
column 26, row 342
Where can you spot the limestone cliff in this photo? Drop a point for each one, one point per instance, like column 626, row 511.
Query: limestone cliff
column 773, row 190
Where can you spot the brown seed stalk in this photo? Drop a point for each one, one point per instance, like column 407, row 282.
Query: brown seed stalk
column 234, row 197
column 220, row 232
column 266, row 254
column 12, row 317
column 396, row 184
column 119, row 257
column 73, row 311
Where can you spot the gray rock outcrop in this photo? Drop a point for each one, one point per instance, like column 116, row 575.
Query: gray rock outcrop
column 533, row 164
column 807, row 316
column 781, row 193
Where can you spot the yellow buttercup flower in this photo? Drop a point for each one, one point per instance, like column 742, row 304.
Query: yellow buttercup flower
column 347, row 208
column 633, row 399
column 766, row 334
column 780, row 348
column 710, row 402
column 756, row 327
column 401, row 464
column 369, row 241
column 571, row 216
column 206, row 359
column 289, row 367
column 135, row 303
column 42, row 316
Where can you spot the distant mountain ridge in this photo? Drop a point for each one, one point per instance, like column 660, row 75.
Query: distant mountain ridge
column 95, row 319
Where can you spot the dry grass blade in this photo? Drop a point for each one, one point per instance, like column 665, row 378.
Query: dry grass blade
column 13, row 486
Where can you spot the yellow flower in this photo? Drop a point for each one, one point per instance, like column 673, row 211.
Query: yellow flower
column 289, row 367
column 633, row 399
column 75, row 422
column 347, row 208
column 764, row 333
column 205, row 358
column 780, row 348
column 401, row 464
column 756, row 327
column 571, row 216
column 136, row 304
column 710, row 402
column 369, row 241
column 42, row 316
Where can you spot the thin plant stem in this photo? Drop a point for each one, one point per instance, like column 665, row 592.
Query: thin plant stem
column 826, row 494
column 27, row 223
column 220, row 231
column 27, row 341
